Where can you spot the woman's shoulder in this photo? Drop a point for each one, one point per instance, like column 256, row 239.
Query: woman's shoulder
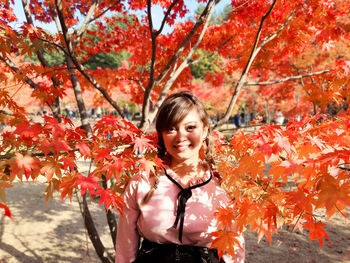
column 143, row 179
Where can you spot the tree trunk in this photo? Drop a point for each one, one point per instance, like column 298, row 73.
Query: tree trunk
column 315, row 108
column 267, row 113
column 78, row 96
column 93, row 234
column 112, row 222
column 89, row 223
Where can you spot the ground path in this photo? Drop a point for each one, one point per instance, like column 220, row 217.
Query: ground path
column 41, row 233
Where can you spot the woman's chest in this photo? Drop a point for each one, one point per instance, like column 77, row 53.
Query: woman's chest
column 160, row 212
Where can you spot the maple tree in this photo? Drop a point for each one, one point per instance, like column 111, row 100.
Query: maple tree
column 268, row 44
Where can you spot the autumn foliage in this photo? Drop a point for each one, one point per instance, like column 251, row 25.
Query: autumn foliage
column 286, row 176
column 267, row 53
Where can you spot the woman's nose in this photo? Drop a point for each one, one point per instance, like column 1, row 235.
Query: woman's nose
column 181, row 133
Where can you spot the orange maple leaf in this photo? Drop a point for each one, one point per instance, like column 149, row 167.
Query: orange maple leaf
column 316, row 231
column 225, row 215
column 67, row 184
column 225, row 242
column 50, row 168
column 23, row 165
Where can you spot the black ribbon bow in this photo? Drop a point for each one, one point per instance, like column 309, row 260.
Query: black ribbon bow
column 182, row 197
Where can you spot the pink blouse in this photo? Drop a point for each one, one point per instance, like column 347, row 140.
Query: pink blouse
column 155, row 219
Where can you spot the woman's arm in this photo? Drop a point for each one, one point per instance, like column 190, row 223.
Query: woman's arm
column 127, row 235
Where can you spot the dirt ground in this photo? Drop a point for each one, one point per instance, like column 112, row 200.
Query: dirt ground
column 41, row 233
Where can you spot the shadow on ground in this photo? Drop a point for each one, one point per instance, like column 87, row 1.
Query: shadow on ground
column 47, row 233
column 295, row 247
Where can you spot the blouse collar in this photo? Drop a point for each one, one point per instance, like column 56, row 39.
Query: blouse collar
column 193, row 182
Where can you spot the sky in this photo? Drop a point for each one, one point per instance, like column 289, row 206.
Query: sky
column 157, row 15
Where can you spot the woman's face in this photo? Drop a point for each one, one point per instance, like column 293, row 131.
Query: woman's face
column 184, row 140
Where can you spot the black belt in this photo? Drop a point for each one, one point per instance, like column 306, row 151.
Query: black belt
column 151, row 252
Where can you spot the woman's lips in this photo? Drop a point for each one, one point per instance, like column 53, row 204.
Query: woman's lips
column 181, row 148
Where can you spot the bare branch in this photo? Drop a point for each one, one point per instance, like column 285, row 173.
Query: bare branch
column 104, row 11
column 36, row 154
column 211, row 54
column 104, row 92
column 186, row 60
column 194, row 29
column 79, row 32
column 252, row 56
column 272, row 36
column 153, row 82
column 138, row 81
column 12, row 66
column 149, row 16
column 221, row 45
column 55, row 106
column 176, row 71
column 298, row 70
column 86, row 22
column 153, row 57
column 56, row 45
column 55, row 17
column 270, row 82
column 166, row 16
column 80, row 67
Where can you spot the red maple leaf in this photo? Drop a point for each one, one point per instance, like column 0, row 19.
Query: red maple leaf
column 140, row 144
column 110, row 199
column 114, row 167
column 7, row 210
column 89, row 183
column 101, row 154
column 68, row 163
column 60, row 146
column 83, row 149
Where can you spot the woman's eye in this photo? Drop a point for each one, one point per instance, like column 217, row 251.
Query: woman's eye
column 171, row 129
column 191, row 127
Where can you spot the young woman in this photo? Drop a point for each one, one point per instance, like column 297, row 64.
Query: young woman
column 172, row 213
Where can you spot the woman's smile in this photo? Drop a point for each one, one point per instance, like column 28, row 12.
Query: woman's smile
column 182, row 147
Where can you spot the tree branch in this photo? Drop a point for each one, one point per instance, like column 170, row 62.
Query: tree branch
column 104, row 11
column 186, row 60
column 146, row 119
column 166, row 16
column 35, row 154
column 276, row 81
column 272, row 36
column 211, row 54
column 12, row 66
column 86, row 22
column 184, row 43
column 80, row 67
column 244, row 74
column 55, row 106
column 147, row 93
